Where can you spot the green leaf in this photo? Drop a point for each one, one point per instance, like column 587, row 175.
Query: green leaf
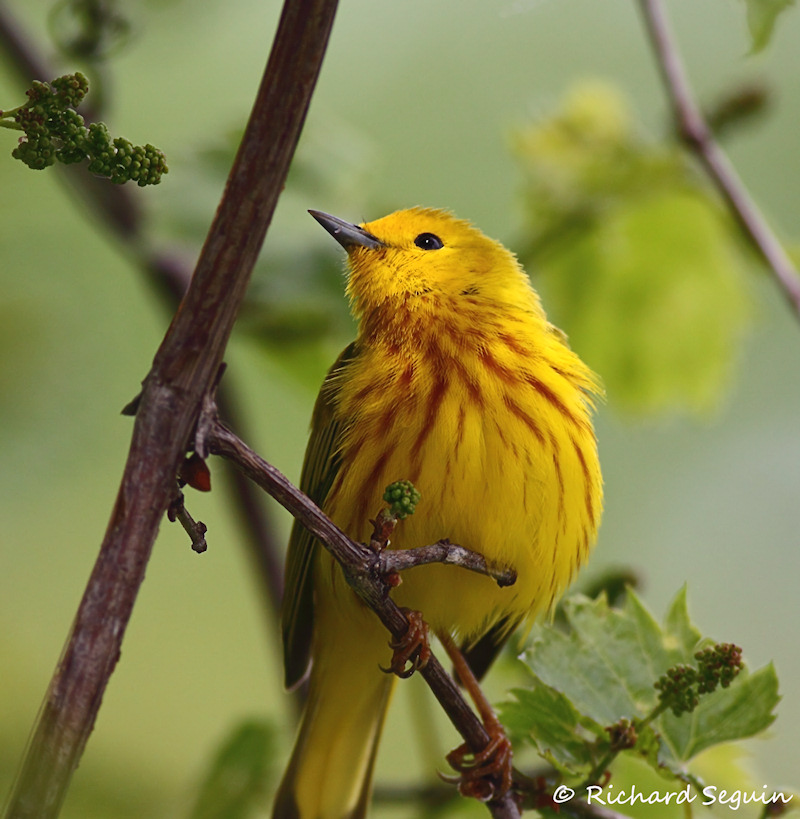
column 547, row 719
column 633, row 255
column 652, row 298
column 601, row 667
column 677, row 622
column 608, row 660
column 761, row 15
column 235, row 785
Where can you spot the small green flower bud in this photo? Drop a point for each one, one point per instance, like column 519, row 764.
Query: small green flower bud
column 402, row 498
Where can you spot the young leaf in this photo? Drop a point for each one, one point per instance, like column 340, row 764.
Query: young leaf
column 761, row 15
column 601, row 668
column 236, row 783
column 546, row 718
column 608, row 659
column 632, row 254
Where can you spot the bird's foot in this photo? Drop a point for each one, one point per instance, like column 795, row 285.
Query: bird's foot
column 487, row 774
column 412, row 651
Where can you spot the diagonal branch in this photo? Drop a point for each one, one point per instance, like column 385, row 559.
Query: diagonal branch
column 364, row 570
column 183, row 371
column 697, row 135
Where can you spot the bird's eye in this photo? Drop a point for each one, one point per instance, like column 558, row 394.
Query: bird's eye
column 428, row 241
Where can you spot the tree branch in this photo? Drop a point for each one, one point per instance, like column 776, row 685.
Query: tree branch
column 400, row 560
column 699, row 138
column 364, row 571
column 183, row 371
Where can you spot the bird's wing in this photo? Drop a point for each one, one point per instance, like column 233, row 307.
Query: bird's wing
column 319, row 471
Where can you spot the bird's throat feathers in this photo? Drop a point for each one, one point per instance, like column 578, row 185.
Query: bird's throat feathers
column 430, row 269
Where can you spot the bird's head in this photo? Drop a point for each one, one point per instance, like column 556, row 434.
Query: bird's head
column 419, row 259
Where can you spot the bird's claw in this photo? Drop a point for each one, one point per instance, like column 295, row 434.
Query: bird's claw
column 412, row 651
column 487, row 774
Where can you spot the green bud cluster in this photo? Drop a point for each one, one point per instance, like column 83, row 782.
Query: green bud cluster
column 402, row 498
column 677, row 689
column 717, row 665
column 54, row 131
column 681, row 686
column 121, row 160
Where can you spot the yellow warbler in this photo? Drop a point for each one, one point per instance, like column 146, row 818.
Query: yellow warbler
column 458, row 383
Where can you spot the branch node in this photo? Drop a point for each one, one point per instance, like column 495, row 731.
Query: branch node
column 208, row 416
column 383, row 528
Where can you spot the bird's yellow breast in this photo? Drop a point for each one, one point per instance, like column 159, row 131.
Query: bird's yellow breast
column 488, row 417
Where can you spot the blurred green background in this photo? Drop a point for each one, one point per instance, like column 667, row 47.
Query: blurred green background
column 416, row 105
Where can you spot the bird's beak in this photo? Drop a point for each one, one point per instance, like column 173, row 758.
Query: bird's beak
column 345, row 233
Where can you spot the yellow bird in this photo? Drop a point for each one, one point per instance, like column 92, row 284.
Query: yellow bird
column 457, row 382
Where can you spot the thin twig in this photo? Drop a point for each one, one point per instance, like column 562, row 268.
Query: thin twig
column 400, row 560
column 363, row 570
column 698, row 137
column 196, row 529
column 358, row 560
column 183, row 371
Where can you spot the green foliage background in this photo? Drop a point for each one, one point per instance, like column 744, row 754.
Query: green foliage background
column 418, row 104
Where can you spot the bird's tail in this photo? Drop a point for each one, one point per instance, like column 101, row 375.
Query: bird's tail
column 330, row 771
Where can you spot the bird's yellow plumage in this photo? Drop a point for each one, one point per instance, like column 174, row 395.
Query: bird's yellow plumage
column 458, row 383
